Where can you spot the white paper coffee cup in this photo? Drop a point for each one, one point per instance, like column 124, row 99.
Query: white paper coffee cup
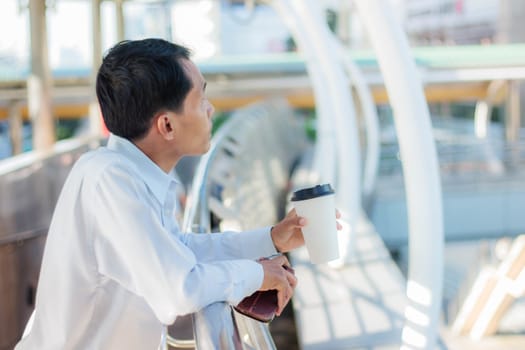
column 317, row 205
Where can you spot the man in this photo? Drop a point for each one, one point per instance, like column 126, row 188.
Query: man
column 115, row 267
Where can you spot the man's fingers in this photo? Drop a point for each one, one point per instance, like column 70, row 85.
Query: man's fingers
column 283, row 296
column 295, row 220
column 281, row 299
column 286, row 285
column 301, row 221
column 281, row 260
column 292, row 280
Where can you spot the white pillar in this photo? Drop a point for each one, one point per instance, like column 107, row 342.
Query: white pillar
column 121, row 25
column 15, row 127
column 39, row 82
column 421, row 171
column 512, row 127
column 512, row 30
column 95, row 121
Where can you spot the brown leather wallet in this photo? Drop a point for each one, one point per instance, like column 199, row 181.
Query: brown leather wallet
column 261, row 305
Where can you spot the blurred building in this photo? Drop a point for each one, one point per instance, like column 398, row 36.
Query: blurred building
column 437, row 22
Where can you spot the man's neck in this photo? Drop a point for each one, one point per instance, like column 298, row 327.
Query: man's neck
column 156, row 151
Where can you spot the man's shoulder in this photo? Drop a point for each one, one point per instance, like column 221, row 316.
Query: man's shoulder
column 93, row 164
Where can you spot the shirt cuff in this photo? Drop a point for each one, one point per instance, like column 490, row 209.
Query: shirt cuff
column 249, row 278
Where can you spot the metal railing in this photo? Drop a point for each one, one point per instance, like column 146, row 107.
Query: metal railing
column 29, row 187
column 462, row 155
column 248, row 166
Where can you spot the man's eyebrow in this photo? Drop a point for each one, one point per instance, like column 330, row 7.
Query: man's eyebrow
column 204, row 84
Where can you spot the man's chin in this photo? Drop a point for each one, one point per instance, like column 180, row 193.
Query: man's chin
column 205, row 149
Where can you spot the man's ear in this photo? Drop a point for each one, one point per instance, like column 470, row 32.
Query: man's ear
column 165, row 126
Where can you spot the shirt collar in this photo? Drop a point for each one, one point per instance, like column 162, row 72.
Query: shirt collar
column 155, row 178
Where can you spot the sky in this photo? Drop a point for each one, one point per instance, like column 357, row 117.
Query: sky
column 201, row 25
column 69, row 36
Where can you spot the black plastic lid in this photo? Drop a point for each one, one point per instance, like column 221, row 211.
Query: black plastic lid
column 312, row 192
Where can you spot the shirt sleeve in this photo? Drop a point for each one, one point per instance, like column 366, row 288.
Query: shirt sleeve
column 133, row 248
column 230, row 245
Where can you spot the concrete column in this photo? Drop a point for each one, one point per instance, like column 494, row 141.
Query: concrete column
column 514, row 107
column 95, row 120
column 343, row 22
column 39, row 82
column 15, row 127
column 512, row 30
column 513, row 120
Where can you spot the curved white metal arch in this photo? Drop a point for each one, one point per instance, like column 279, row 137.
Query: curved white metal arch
column 371, row 161
column 421, row 171
column 335, row 106
column 420, row 165
column 324, row 162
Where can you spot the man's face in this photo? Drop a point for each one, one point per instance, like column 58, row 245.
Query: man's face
column 193, row 124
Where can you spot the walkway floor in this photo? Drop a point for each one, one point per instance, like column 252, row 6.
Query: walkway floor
column 359, row 305
column 498, row 342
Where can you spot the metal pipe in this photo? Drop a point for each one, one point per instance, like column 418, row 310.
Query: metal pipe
column 420, row 166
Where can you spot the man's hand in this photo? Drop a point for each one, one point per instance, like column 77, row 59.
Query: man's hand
column 287, row 234
column 278, row 278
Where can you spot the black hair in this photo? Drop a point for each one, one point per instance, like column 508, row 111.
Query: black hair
column 138, row 79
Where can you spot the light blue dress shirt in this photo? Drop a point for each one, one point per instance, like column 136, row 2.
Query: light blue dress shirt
column 116, row 268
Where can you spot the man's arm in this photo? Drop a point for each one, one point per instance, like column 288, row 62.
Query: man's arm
column 286, row 235
column 133, row 248
column 230, row 245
